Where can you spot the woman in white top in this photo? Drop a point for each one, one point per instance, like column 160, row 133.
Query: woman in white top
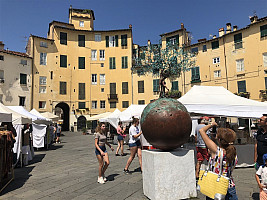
column 134, row 144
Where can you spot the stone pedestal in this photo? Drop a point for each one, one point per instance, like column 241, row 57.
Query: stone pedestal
column 169, row 175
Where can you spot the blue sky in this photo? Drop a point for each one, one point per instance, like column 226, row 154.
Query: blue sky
column 150, row 18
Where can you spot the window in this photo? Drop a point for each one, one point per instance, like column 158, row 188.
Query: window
column 23, row 62
column 94, row 104
column 51, row 75
column 81, row 62
column 43, row 44
column 42, row 80
column 204, row 49
column 43, row 58
column 42, row 89
column 81, row 40
column 124, row 62
column 42, row 104
column 94, row 55
column 125, row 104
column 22, row 101
column 124, row 40
column 94, row 79
column 215, row 44
column 81, row 91
column 102, row 64
column 175, row 86
column 112, row 41
column 102, row 104
column 194, row 50
column 81, row 105
column 263, row 30
column 23, row 79
column 216, row 60
column 102, row 55
column 241, row 86
column 112, row 87
column 265, row 83
column 140, row 86
column 141, row 102
column 97, row 37
column 102, row 90
column 172, row 40
column 112, row 63
column 217, row 73
column 102, row 79
column 124, row 87
column 113, row 104
column 63, row 61
column 195, row 76
column 1, row 57
column 62, row 87
column 156, row 85
column 63, row 38
column 81, row 23
column 240, row 65
column 238, row 41
column 264, row 59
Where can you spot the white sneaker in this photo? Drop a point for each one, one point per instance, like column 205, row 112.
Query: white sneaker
column 104, row 178
column 100, row 180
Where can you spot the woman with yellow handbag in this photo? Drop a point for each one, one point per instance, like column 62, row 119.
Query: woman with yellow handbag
column 223, row 157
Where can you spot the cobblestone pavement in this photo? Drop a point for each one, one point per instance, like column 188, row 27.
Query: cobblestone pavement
column 69, row 171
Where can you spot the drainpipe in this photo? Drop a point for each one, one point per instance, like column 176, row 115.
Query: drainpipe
column 32, row 72
column 226, row 73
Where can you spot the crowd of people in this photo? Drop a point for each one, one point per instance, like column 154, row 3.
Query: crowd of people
column 212, row 144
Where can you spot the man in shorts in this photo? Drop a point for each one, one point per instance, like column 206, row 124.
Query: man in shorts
column 202, row 150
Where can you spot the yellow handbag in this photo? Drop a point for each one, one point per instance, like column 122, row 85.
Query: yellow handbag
column 211, row 184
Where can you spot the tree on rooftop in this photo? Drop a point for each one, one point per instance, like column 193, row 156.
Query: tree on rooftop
column 167, row 62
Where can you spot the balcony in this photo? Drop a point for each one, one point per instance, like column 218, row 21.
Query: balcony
column 112, row 96
column 263, row 95
column 243, row 94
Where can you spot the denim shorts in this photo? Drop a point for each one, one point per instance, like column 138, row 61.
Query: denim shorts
column 120, row 137
column 136, row 143
column 103, row 148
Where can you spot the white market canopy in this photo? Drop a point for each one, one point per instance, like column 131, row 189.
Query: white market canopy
column 50, row 116
column 97, row 117
column 17, row 118
column 132, row 111
column 23, row 111
column 216, row 100
column 39, row 115
column 113, row 118
column 5, row 117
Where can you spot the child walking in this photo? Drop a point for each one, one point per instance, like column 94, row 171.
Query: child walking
column 261, row 177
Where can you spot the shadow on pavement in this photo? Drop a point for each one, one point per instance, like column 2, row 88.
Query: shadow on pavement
column 137, row 170
column 21, row 176
column 256, row 196
column 51, row 147
column 111, row 177
column 37, row 158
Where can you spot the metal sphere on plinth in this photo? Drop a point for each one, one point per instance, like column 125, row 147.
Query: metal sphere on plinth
column 166, row 124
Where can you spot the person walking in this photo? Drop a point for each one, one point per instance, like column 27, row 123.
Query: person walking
column 101, row 151
column 226, row 138
column 261, row 142
column 202, row 151
column 134, row 144
column 261, row 178
column 58, row 132
column 120, row 131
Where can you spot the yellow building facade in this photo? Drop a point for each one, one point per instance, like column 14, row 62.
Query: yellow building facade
column 81, row 70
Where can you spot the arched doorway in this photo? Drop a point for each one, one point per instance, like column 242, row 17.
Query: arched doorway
column 65, row 116
column 81, row 122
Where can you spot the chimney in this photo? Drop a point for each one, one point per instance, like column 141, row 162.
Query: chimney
column 235, row 28
column 130, row 26
column 2, row 45
column 148, row 43
column 202, row 40
column 228, row 28
column 253, row 19
column 214, row 36
column 182, row 25
column 221, row 32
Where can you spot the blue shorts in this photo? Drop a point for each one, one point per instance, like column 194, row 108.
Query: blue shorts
column 103, row 148
column 120, row 137
column 136, row 143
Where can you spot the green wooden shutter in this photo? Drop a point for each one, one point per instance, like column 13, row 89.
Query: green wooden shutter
column 197, row 73
column 107, row 41
column 238, row 37
column 167, row 40
column 155, row 85
column 126, row 62
column 263, row 30
column 177, row 39
column 114, row 63
column 110, row 63
column 193, row 73
column 122, row 62
column 175, row 86
column 116, row 40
